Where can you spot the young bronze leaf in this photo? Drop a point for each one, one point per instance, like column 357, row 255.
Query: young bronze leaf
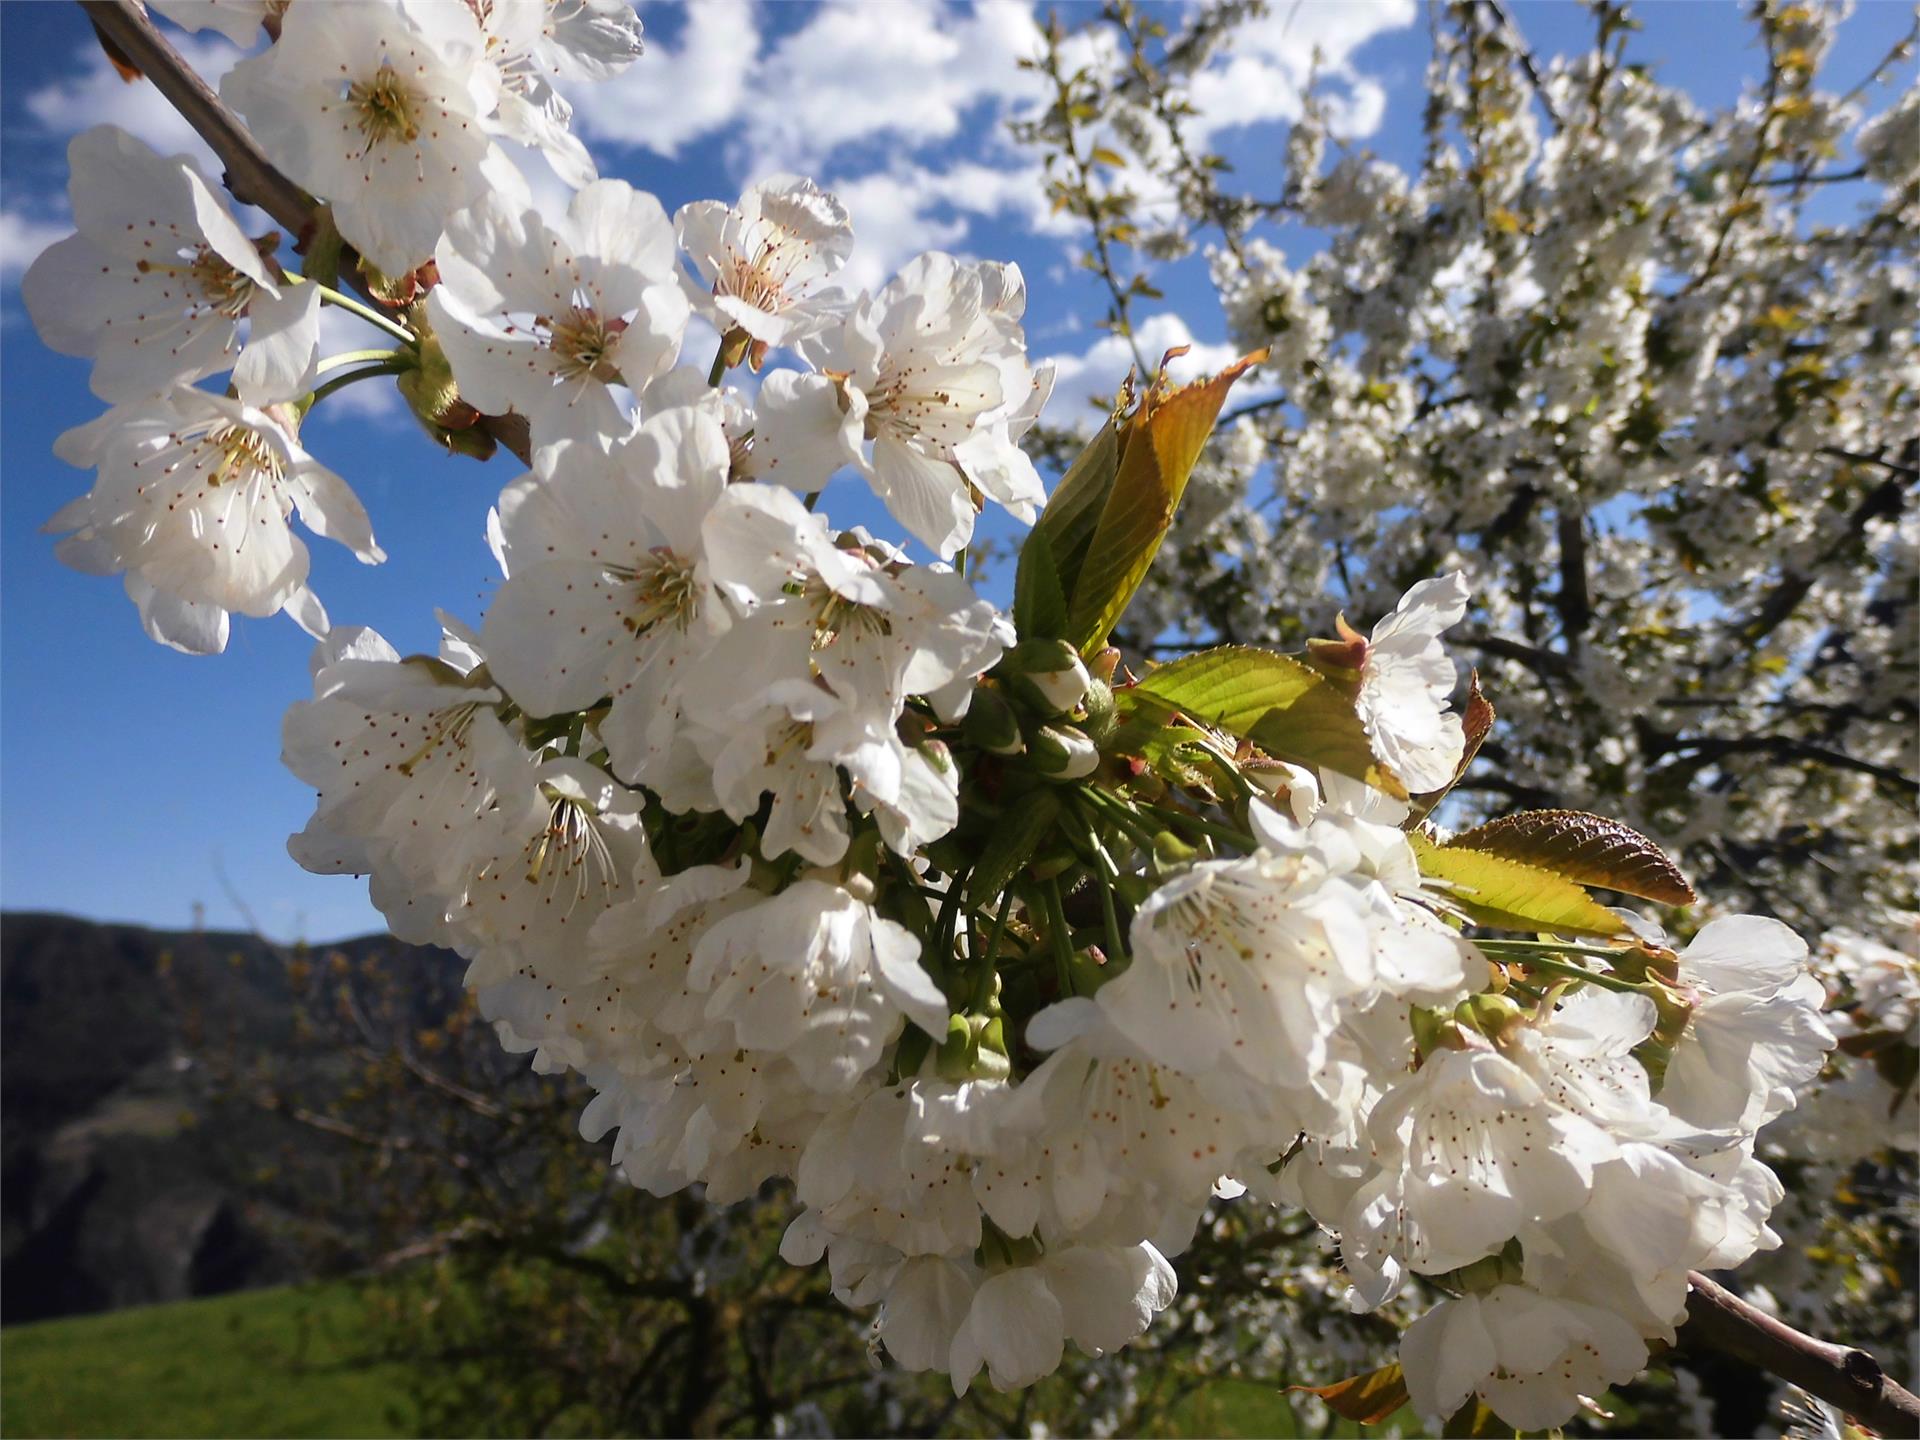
column 1159, row 443
column 1588, row 848
column 1366, row 1399
column 1511, row 894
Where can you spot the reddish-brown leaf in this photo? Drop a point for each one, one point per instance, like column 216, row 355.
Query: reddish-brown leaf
column 1588, row 848
column 1366, row 1399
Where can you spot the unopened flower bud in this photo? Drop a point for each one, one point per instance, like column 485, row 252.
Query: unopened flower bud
column 1491, row 1015
column 1341, row 659
column 1047, row 675
column 1089, row 970
column 991, row 725
column 1170, row 852
column 1064, row 752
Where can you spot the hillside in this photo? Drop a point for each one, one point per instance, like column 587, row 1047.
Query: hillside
column 128, row 1175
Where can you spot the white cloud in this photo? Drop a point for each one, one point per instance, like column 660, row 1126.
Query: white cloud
column 98, row 96
column 22, row 237
column 900, row 212
column 1264, row 74
column 674, row 95
column 909, row 73
column 376, row 399
column 1098, row 370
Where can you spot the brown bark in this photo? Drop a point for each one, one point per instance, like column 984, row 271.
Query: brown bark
column 1839, row 1374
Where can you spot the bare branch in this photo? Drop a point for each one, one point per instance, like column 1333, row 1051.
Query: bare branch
column 1839, row 1374
column 251, row 176
column 1541, row 662
column 1528, row 66
column 1703, row 751
column 1802, row 177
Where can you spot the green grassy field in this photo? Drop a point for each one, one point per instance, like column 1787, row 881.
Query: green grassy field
column 288, row 1362
column 269, row 1362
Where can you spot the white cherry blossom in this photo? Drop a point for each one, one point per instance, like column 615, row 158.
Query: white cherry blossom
column 376, row 105
column 1756, row 1036
column 545, row 318
column 608, row 594
column 1243, row 963
column 814, row 974
column 936, row 378
column 191, row 500
column 1530, row 1357
column 761, row 263
column 155, row 286
column 238, row 20
column 1405, row 682
column 407, row 757
column 563, row 846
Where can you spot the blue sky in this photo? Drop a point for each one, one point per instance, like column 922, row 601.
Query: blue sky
column 136, row 783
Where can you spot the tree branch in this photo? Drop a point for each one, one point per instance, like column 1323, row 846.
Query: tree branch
column 1528, row 66
column 251, row 176
column 1886, row 498
column 1839, row 1374
column 1574, row 602
column 1706, row 749
column 1541, row 662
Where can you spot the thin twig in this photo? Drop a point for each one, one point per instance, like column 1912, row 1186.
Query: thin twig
column 1527, row 65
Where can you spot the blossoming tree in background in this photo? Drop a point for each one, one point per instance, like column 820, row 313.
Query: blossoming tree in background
column 1644, row 373
column 1010, row 957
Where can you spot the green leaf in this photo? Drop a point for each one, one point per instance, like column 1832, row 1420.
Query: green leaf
column 1367, row 1399
column 1159, row 444
column 1066, row 526
column 1029, row 819
column 1512, row 895
column 1321, row 728
column 1286, row 707
column 1039, row 602
column 1588, row 848
column 1103, row 156
column 1229, row 687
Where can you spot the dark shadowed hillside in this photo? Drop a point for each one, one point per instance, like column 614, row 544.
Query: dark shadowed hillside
column 132, row 1169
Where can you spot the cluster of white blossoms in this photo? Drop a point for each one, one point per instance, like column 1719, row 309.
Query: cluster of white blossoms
column 816, row 865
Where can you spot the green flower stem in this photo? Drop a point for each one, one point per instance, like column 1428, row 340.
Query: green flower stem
column 366, row 312
column 1060, row 936
column 719, row 367
column 983, row 990
column 340, row 382
column 950, row 911
column 356, row 357
column 1557, row 946
column 1116, row 946
column 1207, row 827
column 1120, row 813
column 1563, row 967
